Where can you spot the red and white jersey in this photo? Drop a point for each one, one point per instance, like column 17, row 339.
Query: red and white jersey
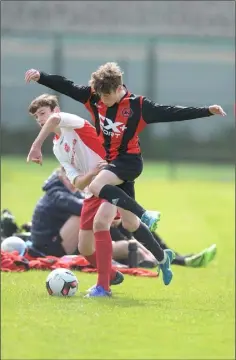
column 78, row 148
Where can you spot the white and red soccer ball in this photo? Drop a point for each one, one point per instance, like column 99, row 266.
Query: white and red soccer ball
column 62, row 282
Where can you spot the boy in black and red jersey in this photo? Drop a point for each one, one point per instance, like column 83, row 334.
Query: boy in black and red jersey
column 119, row 117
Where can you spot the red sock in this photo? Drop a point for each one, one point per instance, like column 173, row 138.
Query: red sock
column 103, row 243
column 92, row 259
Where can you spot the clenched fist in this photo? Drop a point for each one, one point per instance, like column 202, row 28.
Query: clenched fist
column 35, row 155
column 217, row 110
column 32, row 75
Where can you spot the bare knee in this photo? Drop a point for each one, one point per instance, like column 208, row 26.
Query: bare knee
column 95, row 188
column 131, row 224
column 101, row 224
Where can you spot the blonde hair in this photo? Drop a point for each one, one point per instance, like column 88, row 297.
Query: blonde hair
column 43, row 100
column 107, row 78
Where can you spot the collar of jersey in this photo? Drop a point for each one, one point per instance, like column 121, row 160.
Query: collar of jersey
column 126, row 93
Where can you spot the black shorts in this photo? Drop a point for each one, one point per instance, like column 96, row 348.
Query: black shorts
column 116, row 235
column 127, row 167
column 48, row 246
column 128, row 188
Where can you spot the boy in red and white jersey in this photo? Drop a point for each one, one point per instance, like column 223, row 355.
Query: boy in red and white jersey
column 78, row 150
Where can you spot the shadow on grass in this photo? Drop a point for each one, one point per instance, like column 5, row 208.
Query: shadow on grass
column 116, row 300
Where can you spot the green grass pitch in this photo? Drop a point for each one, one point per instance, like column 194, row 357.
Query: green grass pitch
column 193, row 318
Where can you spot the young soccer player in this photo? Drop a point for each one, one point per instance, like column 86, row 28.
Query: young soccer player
column 81, row 155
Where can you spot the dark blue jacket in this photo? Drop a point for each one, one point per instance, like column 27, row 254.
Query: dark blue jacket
column 53, row 209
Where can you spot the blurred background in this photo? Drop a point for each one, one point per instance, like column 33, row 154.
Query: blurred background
column 174, row 52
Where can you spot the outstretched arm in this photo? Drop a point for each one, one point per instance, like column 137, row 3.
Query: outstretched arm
column 60, row 84
column 155, row 113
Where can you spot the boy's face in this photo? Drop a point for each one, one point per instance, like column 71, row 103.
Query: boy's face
column 42, row 114
column 111, row 98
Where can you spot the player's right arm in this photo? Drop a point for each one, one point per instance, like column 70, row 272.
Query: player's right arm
column 81, row 181
column 55, row 120
column 60, row 84
column 35, row 154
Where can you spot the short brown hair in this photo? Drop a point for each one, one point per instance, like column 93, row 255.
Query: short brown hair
column 107, row 78
column 43, row 100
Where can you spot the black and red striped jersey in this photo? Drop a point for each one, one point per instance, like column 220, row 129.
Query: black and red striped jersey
column 118, row 126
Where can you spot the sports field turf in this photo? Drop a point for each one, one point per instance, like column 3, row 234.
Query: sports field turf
column 193, row 318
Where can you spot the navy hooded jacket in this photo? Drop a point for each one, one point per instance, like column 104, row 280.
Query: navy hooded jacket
column 54, row 208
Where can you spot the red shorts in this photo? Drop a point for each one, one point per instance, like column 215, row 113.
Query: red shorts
column 89, row 210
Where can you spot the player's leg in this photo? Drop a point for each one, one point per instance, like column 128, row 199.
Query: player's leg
column 141, row 232
column 201, row 259
column 89, row 211
column 101, row 228
column 86, row 248
column 179, row 259
column 106, row 186
column 86, row 245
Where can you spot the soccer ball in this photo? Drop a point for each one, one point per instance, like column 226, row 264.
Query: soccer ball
column 62, row 282
column 14, row 243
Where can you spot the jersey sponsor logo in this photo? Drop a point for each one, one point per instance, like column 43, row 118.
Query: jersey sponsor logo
column 66, row 147
column 109, row 128
column 127, row 112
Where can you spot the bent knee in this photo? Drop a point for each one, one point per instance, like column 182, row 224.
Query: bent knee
column 131, row 225
column 95, row 188
column 101, row 224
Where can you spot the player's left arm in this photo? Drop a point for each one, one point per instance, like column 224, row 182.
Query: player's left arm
column 155, row 113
